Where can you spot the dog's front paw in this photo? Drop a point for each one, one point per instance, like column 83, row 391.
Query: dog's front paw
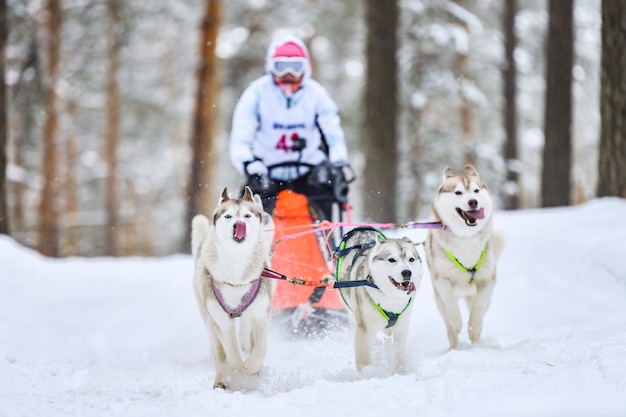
column 221, row 381
column 235, row 364
column 453, row 336
column 253, row 365
column 400, row 366
column 474, row 332
column 453, row 332
column 220, row 385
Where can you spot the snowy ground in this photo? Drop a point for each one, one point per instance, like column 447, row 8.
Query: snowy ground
column 123, row 337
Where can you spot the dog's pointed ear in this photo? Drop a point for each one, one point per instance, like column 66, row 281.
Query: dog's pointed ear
column 469, row 171
column 258, row 201
column 224, row 197
column 410, row 241
column 247, row 194
column 447, row 173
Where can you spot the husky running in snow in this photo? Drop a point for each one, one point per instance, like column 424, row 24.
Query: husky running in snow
column 230, row 252
column 391, row 270
column 462, row 257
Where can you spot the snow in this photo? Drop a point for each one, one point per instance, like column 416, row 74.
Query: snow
column 123, row 337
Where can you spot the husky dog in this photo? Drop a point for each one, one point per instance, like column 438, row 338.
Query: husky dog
column 387, row 273
column 462, row 256
column 231, row 251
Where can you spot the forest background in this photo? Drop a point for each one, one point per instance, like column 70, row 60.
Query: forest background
column 116, row 114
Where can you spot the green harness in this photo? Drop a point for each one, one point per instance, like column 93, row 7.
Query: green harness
column 462, row 267
column 392, row 318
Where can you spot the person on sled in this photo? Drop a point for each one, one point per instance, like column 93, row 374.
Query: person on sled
column 286, row 133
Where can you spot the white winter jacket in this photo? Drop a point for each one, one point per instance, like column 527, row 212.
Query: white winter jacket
column 265, row 122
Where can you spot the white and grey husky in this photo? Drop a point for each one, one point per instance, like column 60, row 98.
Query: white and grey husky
column 462, row 257
column 231, row 251
column 387, row 272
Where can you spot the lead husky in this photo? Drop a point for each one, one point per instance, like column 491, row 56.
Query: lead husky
column 462, row 259
column 390, row 270
column 230, row 252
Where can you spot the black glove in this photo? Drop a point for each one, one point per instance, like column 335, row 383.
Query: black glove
column 339, row 182
column 261, row 184
column 334, row 177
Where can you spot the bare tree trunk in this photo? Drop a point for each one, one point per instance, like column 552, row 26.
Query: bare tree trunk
column 4, row 213
column 26, row 116
column 131, row 230
column 466, row 111
column 48, row 211
column 203, row 157
column 379, row 132
column 557, row 152
column 612, row 158
column 19, row 191
column 70, row 191
column 112, row 131
column 177, row 137
column 509, row 75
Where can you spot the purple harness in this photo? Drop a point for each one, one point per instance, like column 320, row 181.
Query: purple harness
column 245, row 301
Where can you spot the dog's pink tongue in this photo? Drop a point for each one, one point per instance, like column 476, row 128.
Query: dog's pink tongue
column 240, row 230
column 476, row 214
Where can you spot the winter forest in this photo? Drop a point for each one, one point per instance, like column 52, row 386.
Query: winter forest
column 115, row 115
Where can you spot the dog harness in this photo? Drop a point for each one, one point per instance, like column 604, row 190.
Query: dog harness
column 246, row 300
column 392, row 318
column 342, row 251
column 471, row 270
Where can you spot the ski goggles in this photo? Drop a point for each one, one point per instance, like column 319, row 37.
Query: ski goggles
column 281, row 66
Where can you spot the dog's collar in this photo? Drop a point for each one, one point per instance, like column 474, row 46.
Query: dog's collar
column 246, row 300
column 462, row 267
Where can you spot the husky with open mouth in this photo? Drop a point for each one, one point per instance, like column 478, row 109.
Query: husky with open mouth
column 462, row 256
column 230, row 252
column 388, row 271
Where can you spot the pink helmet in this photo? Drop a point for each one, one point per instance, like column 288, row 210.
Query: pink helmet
column 288, row 47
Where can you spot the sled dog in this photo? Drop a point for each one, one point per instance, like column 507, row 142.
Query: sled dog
column 462, row 257
column 230, row 251
column 388, row 272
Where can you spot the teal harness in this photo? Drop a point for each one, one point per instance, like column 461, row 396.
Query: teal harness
column 341, row 251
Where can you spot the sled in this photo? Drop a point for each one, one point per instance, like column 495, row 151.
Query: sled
column 302, row 253
column 306, row 310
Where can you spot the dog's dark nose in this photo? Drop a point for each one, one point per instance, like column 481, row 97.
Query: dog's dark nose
column 473, row 204
column 406, row 274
